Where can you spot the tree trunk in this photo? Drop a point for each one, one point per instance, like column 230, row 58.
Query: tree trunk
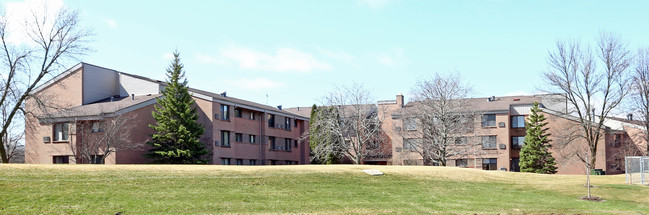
column 588, row 179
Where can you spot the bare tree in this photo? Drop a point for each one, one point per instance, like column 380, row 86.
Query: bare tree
column 351, row 125
column 640, row 93
column 54, row 38
column 437, row 119
column 99, row 139
column 595, row 83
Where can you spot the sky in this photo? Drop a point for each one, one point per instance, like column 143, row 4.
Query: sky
column 293, row 53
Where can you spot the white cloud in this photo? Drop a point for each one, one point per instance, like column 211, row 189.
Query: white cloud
column 255, row 84
column 374, row 4
column 111, row 23
column 336, row 54
column 284, row 59
column 391, row 58
column 19, row 12
column 204, row 58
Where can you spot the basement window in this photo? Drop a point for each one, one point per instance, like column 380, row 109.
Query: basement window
column 60, row 159
column 489, row 163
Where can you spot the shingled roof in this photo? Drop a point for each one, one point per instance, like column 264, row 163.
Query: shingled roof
column 102, row 108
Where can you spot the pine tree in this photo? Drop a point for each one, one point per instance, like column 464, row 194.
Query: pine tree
column 176, row 140
column 534, row 156
column 318, row 136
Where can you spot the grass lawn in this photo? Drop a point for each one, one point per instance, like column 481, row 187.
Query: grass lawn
column 336, row 189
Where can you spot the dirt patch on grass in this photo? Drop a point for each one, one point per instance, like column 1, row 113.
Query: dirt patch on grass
column 592, row 198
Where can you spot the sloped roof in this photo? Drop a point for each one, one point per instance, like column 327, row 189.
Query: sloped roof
column 302, row 111
column 483, row 104
column 244, row 102
column 164, row 83
column 104, row 107
column 348, row 109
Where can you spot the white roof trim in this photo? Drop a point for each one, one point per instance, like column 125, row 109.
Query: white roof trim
column 101, row 116
column 57, row 78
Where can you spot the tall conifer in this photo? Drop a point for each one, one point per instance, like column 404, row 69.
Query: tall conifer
column 176, row 140
column 534, row 156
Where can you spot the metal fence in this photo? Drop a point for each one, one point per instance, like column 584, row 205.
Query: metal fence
column 637, row 170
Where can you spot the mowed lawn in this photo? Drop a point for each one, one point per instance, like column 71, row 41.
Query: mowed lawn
column 335, row 189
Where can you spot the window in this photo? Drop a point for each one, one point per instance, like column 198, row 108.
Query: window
column 225, row 112
column 238, row 137
column 237, row 112
column 271, row 120
column 460, row 141
column 225, row 161
column 461, row 163
column 517, row 142
column 518, row 121
column 287, row 144
column 287, row 123
column 61, row 159
column 489, row 142
column 61, row 132
column 251, row 138
column 295, row 144
column 271, row 143
column 273, row 162
column 251, row 116
column 410, row 162
column 410, row 124
column 295, row 123
column 239, row 162
column 96, row 127
column 225, row 138
column 618, row 140
column 409, row 144
column 252, row 162
column 289, row 162
column 489, row 120
column 489, row 163
column 96, row 159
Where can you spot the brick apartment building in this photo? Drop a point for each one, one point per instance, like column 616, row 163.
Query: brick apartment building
column 238, row 132
column 496, row 140
column 498, row 134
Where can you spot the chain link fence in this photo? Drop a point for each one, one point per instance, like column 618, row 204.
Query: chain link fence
column 637, row 170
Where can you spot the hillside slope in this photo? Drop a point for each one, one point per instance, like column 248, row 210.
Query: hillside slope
column 336, row 189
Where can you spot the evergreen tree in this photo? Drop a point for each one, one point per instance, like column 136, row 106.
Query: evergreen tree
column 320, row 139
column 534, row 156
column 176, row 140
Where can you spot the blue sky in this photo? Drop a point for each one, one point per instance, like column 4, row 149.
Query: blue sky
column 297, row 51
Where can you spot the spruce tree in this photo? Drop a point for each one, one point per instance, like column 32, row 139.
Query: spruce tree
column 319, row 137
column 176, row 140
column 535, row 156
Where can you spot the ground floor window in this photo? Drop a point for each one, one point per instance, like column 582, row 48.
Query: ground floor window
column 239, row 161
column 489, row 164
column 225, row 161
column 61, row 132
column 97, row 159
column 61, row 159
column 461, row 163
column 253, row 162
column 410, row 162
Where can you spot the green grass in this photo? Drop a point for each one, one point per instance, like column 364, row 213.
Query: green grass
column 155, row 189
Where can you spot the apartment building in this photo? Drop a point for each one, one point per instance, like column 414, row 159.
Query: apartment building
column 238, row 132
column 498, row 133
